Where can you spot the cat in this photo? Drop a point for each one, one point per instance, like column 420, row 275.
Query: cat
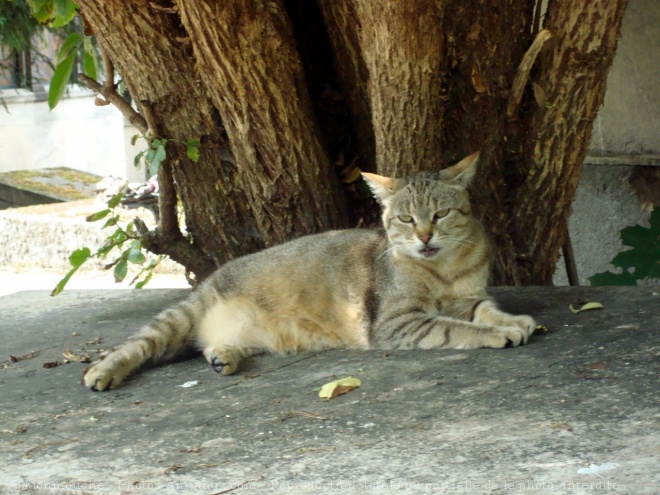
column 420, row 282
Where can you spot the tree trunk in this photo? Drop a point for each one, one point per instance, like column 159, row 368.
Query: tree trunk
column 396, row 54
column 248, row 61
column 570, row 87
column 149, row 50
column 421, row 84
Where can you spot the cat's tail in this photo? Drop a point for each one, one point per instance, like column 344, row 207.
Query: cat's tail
column 168, row 335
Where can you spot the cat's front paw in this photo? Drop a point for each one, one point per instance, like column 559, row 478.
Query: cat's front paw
column 525, row 323
column 512, row 336
column 101, row 376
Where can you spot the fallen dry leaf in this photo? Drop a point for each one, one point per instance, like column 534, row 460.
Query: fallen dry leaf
column 52, row 364
column 173, row 468
column 16, row 359
column 78, row 358
column 586, row 307
column 339, row 387
column 191, row 450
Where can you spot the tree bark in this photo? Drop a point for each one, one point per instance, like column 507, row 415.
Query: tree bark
column 149, row 50
column 570, row 84
column 404, row 82
column 248, row 61
column 486, row 42
column 344, row 26
column 425, row 83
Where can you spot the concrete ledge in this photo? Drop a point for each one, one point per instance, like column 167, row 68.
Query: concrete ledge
column 573, row 412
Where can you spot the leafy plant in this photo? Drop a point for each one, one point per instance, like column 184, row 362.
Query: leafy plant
column 123, row 237
column 154, row 155
column 76, row 47
column 642, row 261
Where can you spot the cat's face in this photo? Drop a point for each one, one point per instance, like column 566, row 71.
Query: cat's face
column 426, row 215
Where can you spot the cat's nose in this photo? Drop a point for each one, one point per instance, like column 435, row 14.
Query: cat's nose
column 425, row 238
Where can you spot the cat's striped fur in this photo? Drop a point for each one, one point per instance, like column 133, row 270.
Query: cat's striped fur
column 418, row 283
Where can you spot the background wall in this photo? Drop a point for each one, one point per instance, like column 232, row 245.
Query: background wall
column 76, row 134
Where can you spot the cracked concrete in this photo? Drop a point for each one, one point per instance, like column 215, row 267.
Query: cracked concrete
column 572, row 412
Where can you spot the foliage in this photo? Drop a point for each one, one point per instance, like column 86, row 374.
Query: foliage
column 154, row 155
column 124, row 238
column 642, row 261
column 53, row 13
column 126, row 235
column 77, row 46
column 17, row 25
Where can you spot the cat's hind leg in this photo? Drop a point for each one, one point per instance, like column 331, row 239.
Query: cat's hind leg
column 169, row 335
column 230, row 331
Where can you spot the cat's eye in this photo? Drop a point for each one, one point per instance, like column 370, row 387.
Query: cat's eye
column 441, row 214
column 405, row 218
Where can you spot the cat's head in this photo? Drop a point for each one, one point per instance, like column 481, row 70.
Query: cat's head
column 428, row 213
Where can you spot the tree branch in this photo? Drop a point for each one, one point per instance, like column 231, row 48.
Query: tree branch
column 109, row 83
column 111, row 95
column 168, row 222
column 523, row 71
column 167, row 238
column 149, row 117
column 569, row 260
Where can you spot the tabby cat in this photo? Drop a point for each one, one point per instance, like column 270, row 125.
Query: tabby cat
column 419, row 283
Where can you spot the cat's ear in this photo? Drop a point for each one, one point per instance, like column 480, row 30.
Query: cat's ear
column 382, row 187
column 463, row 172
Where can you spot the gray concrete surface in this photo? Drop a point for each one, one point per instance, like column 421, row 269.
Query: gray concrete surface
column 573, row 412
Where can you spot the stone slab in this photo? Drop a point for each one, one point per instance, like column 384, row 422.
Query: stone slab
column 575, row 411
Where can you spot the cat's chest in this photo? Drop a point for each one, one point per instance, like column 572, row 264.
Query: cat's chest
column 442, row 296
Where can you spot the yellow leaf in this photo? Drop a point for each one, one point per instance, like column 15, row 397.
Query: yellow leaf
column 586, row 307
column 339, row 387
column 477, row 83
column 539, row 95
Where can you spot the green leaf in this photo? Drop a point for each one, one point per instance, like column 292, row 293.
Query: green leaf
column 79, row 256
column 144, row 281
column 115, row 200
column 138, row 157
column 121, row 270
column 192, row 149
column 60, row 80
column 609, row 278
column 118, row 237
column 42, row 10
column 643, row 260
column 65, row 11
column 156, row 155
column 89, row 65
column 111, row 221
column 134, row 139
column 136, row 257
column 97, row 216
column 62, row 283
column 71, row 44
